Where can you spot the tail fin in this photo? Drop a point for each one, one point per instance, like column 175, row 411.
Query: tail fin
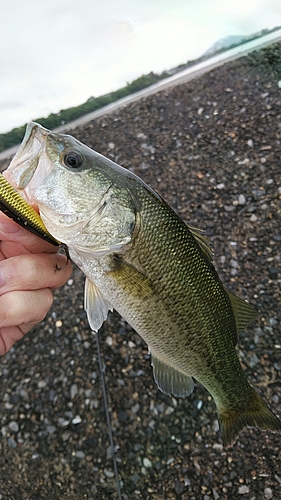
column 256, row 414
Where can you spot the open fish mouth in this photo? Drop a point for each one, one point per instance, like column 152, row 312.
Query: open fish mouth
column 24, row 173
column 25, row 162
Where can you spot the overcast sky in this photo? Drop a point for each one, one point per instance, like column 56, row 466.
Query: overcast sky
column 55, row 54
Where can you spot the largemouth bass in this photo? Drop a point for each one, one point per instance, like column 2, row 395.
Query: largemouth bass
column 140, row 258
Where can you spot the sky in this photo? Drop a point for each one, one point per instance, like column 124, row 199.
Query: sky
column 55, row 54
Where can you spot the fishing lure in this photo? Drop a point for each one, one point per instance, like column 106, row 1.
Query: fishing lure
column 15, row 207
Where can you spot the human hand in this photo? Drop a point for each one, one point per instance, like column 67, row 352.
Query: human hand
column 30, row 269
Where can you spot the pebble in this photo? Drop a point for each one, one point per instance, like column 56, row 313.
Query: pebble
column 77, row 420
column 73, row 391
column 41, row 384
column 51, row 429
column 241, row 199
column 147, row 463
column 268, row 494
column 242, row 490
column 11, row 442
column 13, row 426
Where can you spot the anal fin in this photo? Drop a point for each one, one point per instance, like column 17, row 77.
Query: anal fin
column 170, row 380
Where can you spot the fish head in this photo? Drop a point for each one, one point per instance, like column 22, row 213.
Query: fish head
column 82, row 197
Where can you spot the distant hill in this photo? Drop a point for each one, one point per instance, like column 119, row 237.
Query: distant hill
column 225, row 43
column 234, row 40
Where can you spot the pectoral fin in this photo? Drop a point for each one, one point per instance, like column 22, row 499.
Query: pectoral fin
column 96, row 306
column 170, row 380
column 130, row 278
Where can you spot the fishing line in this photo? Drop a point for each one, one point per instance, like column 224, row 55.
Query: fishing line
column 104, row 394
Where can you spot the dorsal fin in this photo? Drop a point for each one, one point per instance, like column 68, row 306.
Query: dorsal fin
column 202, row 241
column 244, row 313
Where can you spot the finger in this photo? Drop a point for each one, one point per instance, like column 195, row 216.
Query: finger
column 8, row 337
column 18, row 308
column 34, row 271
column 11, row 231
column 11, row 334
column 11, row 249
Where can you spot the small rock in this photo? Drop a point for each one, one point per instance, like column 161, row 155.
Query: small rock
column 147, row 463
column 273, row 272
column 215, row 494
column 12, row 443
column 135, row 408
column 277, row 237
column 108, row 473
column 50, row 429
column 14, row 426
column 229, row 208
column 257, row 194
column 268, row 493
column 253, row 360
column 241, row 199
column 66, row 435
column 41, row 384
column 77, row 420
column 4, row 431
column 62, row 422
column 243, row 489
column 179, row 487
column 73, row 391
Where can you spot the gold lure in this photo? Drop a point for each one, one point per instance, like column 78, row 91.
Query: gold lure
column 15, row 207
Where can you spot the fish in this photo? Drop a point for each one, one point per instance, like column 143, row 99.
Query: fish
column 17, row 208
column 140, row 258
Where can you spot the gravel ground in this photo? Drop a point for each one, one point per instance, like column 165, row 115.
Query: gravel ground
column 211, row 148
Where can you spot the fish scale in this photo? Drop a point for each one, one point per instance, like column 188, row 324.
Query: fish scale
column 140, row 258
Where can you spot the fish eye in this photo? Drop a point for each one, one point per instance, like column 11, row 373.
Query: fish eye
column 72, row 159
